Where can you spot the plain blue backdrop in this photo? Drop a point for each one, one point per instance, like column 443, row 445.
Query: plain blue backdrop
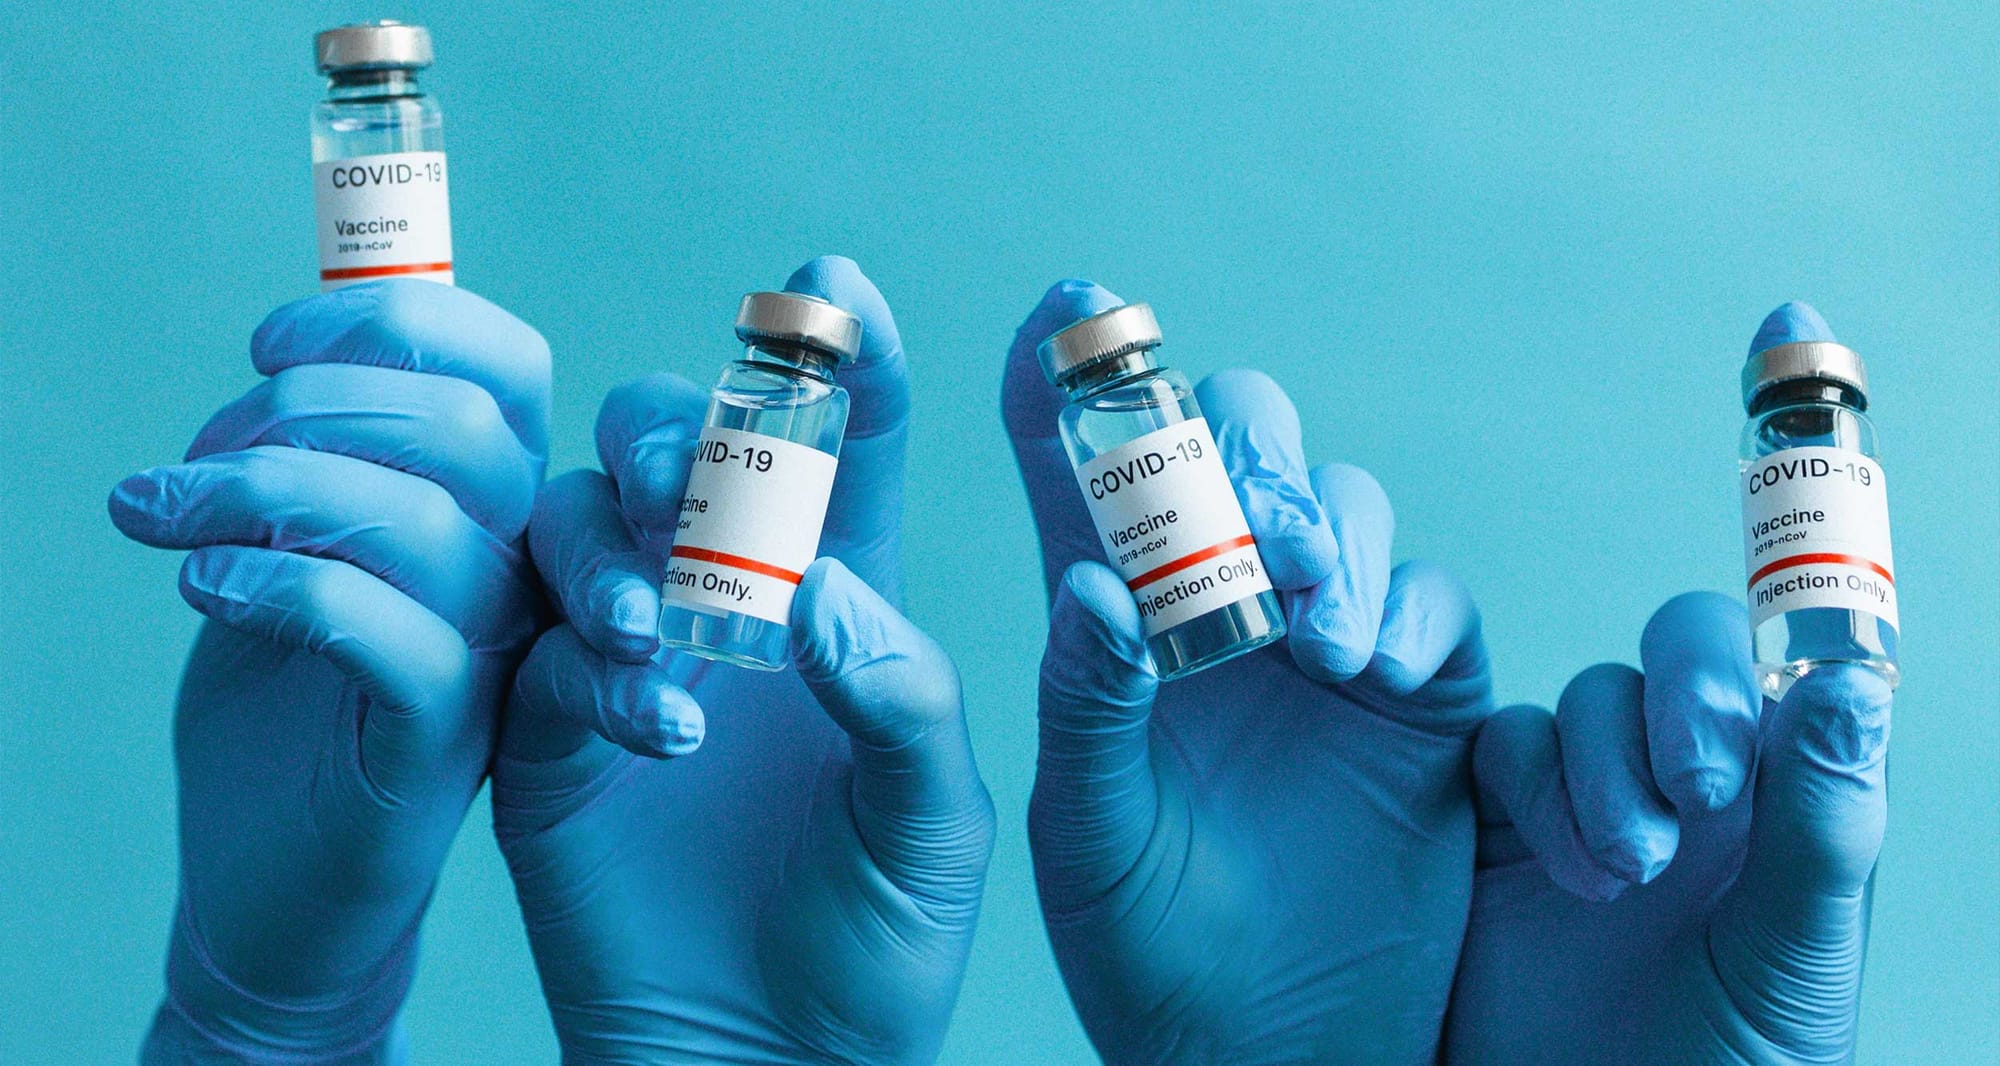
column 1506, row 257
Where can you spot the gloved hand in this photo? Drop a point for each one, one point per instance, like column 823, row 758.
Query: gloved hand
column 1269, row 860
column 804, row 888
column 354, row 523
column 1671, row 868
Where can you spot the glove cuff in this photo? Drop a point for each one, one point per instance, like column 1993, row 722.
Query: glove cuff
column 208, row 1018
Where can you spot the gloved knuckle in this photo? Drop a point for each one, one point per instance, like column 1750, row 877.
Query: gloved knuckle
column 536, row 356
column 1591, row 684
column 1334, row 645
column 928, row 698
column 401, row 311
column 935, row 702
column 1513, row 727
column 289, row 389
column 467, row 412
column 1431, row 576
column 431, row 516
column 1352, row 481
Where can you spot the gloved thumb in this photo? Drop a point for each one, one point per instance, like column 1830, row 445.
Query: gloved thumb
column 1095, row 797
column 919, row 803
column 1788, row 938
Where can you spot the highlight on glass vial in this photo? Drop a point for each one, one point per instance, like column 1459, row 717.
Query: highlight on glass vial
column 763, row 472
column 380, row 188
column 1822, row 586
column 1158, row 492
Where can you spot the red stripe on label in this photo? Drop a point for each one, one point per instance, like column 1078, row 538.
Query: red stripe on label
column 1188, row 560
column 703, row 555
column 1820, row 557
column 383, row 271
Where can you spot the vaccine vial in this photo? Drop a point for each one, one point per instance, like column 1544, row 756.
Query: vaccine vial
column 757, row 494
column 1154, row 483
column 379, row 181
column 1822, row 585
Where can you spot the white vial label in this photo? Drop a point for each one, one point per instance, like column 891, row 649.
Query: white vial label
column 1171, row 525
column 749, row 526
column 383, row 216
column 1816, row 534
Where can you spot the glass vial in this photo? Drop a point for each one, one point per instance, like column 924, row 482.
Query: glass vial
column 379, row 184
column 763, row 472
column 1166, row 513
column 1815, row 517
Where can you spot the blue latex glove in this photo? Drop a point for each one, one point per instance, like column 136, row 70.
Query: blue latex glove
column 1270, row 860
column 355, row 525
column 805, row 887
column 1671, row 868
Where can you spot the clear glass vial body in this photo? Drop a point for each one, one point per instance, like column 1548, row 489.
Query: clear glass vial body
column 374, row 112
column 1117, row 401
column 1786, row 647
column 777, row 391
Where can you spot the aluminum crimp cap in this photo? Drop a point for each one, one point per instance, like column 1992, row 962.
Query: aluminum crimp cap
column 1105, row 335
column 1824, row 360
column 795, row 318
column 382, row 45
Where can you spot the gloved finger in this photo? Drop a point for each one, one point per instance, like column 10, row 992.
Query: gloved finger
column 1517, row 768
column 646, row 433
column 1257, row 429
column 864, row 515
column 565, row 692
column 1430, row 660
column 919, row 803
column 421, row 326
column 1333, row 626
column 400, row 528
column 1791, row 930
column 411, row 664
column 1625, row 821
column 1029, row 405
column 445, row 429
column 598, row 578
column 1095, row 799
column 1702, row 700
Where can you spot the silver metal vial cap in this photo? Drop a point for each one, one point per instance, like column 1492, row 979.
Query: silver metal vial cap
column 383, row 45
column 1801, row 360
column 1105, row 335
column 795, row 318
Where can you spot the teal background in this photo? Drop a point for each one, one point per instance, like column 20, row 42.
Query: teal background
column 1508, row 258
